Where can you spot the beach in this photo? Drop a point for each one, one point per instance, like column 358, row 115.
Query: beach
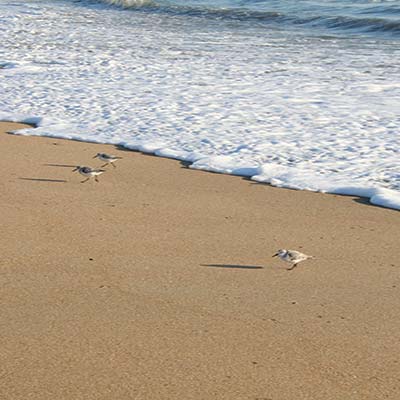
column 158, row 282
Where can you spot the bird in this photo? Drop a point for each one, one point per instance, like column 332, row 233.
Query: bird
column 291, row 256
column 107, row 158
column 89, row 172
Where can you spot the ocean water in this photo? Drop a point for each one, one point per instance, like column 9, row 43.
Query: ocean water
column 299, row 94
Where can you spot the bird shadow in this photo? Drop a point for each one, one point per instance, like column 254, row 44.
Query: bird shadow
column 43, row 180
column 233, row 266
column 60, row 165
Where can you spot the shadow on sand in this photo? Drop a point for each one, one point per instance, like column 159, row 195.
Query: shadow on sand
column 43, row 180
column 60, row 165
column 234, row 266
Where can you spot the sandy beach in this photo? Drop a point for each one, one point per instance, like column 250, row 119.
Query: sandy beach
column 158, row 282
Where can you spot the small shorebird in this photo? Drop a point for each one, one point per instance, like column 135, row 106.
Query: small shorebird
column 292, row 256
column 107, row 158
column 89, row 172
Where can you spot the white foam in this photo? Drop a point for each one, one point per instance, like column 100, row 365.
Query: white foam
column 293, row 111
column 295, row 178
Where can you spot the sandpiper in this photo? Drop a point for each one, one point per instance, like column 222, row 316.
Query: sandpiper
column 292, row 257
column 107, row 158
column 89, row 172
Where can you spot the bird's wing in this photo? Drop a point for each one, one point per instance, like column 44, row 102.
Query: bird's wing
column 295, row 255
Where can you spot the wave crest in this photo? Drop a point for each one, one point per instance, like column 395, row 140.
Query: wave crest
column 338, row 23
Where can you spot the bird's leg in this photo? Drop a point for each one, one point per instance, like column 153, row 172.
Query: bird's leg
column 113, row 165
column 104, row 165
column 85, row 180
column 95, row 178
column 292, row 267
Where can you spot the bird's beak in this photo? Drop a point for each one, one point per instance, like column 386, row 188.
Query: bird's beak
column 95, row 156
column 275, row 254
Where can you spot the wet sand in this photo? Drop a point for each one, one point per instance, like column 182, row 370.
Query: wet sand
column 158, row 283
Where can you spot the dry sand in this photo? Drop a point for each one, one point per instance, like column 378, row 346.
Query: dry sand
column 158, row 283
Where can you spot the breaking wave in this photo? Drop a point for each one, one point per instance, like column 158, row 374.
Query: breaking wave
column 379, row 20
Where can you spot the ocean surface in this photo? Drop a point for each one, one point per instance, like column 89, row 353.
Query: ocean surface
column 299, row 94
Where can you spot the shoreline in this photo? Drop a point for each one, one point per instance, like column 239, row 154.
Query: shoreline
column 378, row 197
column 158, row 282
